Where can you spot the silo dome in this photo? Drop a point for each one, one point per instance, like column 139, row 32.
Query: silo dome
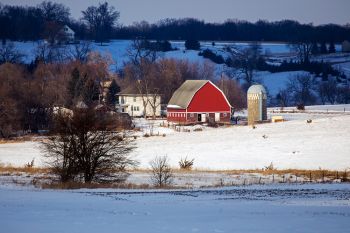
column 257, row 89
column 256, row 97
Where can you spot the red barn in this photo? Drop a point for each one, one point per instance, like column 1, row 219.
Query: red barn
column 198, row 101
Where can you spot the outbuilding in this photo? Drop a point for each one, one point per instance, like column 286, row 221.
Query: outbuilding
column 198, row 101
column 345, row 46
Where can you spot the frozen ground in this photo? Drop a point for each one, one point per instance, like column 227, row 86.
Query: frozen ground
column 276, row 208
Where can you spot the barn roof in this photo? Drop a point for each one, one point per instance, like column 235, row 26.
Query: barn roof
column 183, row 96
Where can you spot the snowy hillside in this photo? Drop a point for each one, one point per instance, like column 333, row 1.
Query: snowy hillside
column 277, row 52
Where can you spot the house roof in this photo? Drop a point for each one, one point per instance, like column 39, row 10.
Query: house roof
column 183, row 96
column 132, row 91
column 129, row 90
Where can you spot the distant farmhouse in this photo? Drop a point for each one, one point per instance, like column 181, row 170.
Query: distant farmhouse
column 345, row 46
column 138, row 105
column 66, row 35
column 198, row 101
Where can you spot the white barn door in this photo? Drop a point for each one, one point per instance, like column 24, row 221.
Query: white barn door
column 203, row 117
column 217, row 116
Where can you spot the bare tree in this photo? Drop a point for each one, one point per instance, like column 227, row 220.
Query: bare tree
column 101, row 20
column 233, row 92
column 301, row 88
column 154, row 101
column 161, row 171
column 283, row 98
column 138, row 52
column 303, row 50
column 86, row 144
column 327, row 90
column 80, row 51
column 8, row 53
column 53, row 11
column 246, row 60
column 50, row 53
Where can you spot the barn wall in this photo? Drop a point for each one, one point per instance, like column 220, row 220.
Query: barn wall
column 208, row 99
column 176, row 115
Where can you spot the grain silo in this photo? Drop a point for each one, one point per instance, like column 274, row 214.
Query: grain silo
column 257, row 111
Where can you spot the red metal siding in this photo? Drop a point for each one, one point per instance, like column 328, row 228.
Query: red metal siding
column 208, row 99
column 176, row 115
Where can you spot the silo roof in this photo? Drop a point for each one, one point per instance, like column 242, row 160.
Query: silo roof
column 256, row 89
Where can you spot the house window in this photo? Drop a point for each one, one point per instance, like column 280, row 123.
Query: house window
column 191, row 115
column 137, row 108
column 134, row 99
column 225, row 114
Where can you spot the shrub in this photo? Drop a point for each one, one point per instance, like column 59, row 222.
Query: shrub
column 30, row 165
column 207, row 53
column 186, row 164
column 161, row 171
column 301, row 107
column 192, row 45
column 270, row 167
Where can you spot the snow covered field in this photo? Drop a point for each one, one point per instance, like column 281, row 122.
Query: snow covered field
column 324, row 144
column 275, row 208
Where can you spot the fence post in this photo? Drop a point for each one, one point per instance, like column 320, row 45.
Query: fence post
column 323, row 175
column 310, row 177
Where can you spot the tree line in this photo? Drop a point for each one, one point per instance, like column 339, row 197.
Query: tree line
column 100, row 23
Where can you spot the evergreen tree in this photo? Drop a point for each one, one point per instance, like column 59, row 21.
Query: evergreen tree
column 74, row 86
column 192, row 45
column 113, row 90
column 315, row 50
column 90, row 91
column 323, row 48
column 331, row 48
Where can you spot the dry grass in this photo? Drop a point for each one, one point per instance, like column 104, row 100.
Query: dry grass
column 47, row 180
column 79, row 185
column 29, row 170
column 27, row 138
column 315, row 174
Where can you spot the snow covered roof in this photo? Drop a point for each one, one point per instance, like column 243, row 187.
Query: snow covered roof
column 183, row 96
column 81, row 105
column 257, row 89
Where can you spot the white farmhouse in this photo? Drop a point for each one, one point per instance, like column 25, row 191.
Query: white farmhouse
column 133, row 103
column 66, row 34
